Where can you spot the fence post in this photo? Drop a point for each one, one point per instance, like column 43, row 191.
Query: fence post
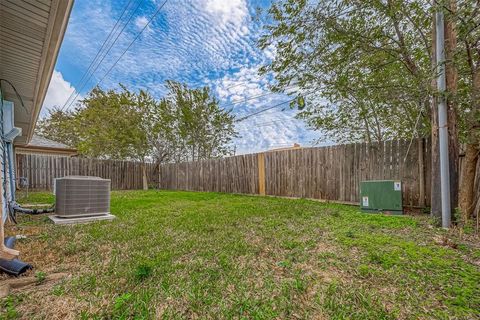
column 261, row 174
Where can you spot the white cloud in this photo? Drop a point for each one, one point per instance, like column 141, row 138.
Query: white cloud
column 58, row 92
column 141, row 22
column 244, row 83
column 270, row 52
column 228, row 11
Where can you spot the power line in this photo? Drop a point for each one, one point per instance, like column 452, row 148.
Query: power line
column 269, row 108
column 235, row 85
column 107, row 40
column 277, row 118
column 131, row 43
column 105, row 55
column 255, row 97
column 263, row 110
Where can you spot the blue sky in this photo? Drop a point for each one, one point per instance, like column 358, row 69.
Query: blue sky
column 198, row 42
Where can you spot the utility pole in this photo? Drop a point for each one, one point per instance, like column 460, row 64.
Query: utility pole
column 442, row 119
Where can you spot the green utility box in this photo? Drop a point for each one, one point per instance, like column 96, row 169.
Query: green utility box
column 381, row 196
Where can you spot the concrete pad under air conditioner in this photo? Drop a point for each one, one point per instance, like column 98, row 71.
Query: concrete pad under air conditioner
column 81, row 219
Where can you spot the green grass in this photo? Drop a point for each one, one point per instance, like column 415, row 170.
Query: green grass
column 181, row 255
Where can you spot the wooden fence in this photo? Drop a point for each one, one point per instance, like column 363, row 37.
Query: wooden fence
column 329, row 173
column 232, row 175
column 41, row 170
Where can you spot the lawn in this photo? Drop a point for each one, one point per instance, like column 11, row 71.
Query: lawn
column 184, row 255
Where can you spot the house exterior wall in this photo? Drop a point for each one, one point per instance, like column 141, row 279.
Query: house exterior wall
column 46, row 152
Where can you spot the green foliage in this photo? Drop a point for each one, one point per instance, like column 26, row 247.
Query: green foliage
column 143, row 271
column 115, row 124
column 58, row 290
column 194, row 124
column 363, row 66
column 40, row 277
column 8, row 309
column 59, row 126
column 187, row 124
column 107, row 124
column 467, row 62
column 366, row 67
column 346, row 302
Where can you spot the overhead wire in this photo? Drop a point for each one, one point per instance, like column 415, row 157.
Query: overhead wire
column 268, row 108
column 108, row 51
column 131, row 43
column 19, row 97
column 255, row 97
column 107, row 40
column 263, row 110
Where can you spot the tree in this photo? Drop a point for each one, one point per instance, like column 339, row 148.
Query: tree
column 107, row 124
column 59, row 126
column 192, row 125
column 186, row 125
column 364, row 66
column 466, row 56
column 114, row 125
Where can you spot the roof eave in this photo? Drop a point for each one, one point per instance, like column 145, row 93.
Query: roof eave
column 26, row 147
column 56, row 31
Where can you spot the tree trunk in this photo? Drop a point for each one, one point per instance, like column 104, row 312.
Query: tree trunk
column 467, row 194
column 451, row 81
column 435, row 196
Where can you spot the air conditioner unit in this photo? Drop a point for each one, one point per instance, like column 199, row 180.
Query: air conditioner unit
column 82, row 196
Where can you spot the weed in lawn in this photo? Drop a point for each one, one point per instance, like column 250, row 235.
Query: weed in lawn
column 8, row 309
column 350, row 234
column 40, row 277
column 365, row 271
column 122, row 302
column 58, row 289
column 142, row 272
column 70, row 249
column 84, row 283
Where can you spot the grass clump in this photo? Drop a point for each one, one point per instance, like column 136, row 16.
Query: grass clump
column 143, row 272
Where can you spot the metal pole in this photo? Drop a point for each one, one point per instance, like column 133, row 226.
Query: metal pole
column 442, row 119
